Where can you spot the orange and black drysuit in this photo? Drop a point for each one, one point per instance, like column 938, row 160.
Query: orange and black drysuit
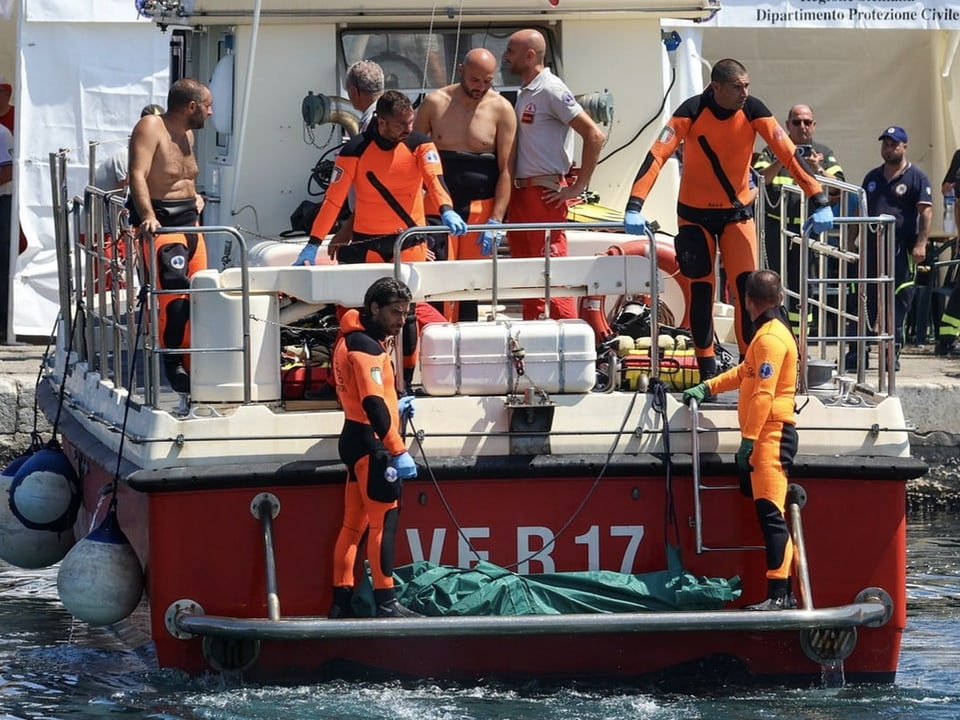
column 767, row 379
column 370, row 438
column 388, row 179
column 179, row 256
column 714, row 202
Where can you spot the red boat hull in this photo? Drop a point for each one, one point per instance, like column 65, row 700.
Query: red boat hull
column 206, row 546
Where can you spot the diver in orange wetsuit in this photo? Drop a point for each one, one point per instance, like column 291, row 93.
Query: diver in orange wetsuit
column 370, row 444
column 389, row 166
column 767, row 379
column 714, row 205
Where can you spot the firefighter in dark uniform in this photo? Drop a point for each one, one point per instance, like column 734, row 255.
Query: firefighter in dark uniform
column 819, row 160
column 714, row 204
column 767, row 379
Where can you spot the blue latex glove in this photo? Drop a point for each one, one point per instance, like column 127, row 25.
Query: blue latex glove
column 743, row 455
column 490, row 239
column 820, row 220
column 697, row 392
column 405, row 407
column 454, row 222
column 405, row 466
column 635, row 223
column 308, row 255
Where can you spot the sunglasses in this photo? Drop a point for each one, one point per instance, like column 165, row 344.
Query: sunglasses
column 801, row 121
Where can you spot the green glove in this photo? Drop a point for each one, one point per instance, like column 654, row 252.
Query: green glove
column 743, row 455
column 697, row 392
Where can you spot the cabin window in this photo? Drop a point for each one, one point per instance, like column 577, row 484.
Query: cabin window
column 418, row 61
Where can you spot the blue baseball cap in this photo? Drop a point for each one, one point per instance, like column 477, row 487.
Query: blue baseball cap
column 894, row 132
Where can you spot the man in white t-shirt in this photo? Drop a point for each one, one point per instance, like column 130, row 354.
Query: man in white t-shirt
column 547, row 117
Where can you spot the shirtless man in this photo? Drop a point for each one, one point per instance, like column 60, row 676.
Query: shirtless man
column 163, row 193
column 474, row 129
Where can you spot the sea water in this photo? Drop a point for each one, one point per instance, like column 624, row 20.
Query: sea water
column 54, row 668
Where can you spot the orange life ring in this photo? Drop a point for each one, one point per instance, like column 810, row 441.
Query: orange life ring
column 592, row 308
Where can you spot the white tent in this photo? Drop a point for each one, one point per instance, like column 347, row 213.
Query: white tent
column 81, row 72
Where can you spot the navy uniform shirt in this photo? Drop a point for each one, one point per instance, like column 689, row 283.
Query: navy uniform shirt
column 899, row 197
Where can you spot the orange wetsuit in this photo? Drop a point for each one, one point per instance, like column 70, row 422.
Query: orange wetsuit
column 714, row 201
column 366, row 388
column 389, row 180
column 767, row 379
column 179, row 256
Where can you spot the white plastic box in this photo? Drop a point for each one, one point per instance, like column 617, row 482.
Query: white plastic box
column 477, row 359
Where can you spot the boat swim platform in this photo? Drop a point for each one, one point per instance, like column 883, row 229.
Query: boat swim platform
column 929, row 388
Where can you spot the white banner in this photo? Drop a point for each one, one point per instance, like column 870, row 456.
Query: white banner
column 854, row 14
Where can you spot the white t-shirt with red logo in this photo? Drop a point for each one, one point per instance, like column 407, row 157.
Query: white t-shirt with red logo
column 545, row 107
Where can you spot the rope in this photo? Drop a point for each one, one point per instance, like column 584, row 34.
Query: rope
column 418, row 437
column 659, row 390
column 142, row 304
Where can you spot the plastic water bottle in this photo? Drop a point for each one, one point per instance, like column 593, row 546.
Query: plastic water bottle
column 390, row 474
column 949, row 218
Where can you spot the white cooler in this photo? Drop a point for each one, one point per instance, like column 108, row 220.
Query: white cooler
column 476, row 358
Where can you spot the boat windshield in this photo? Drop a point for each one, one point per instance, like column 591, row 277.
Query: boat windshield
column 415, row 62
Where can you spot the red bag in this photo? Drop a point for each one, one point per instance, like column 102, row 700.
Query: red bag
column 297, row 379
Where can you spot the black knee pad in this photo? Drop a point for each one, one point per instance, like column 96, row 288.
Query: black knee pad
column 173, row 262
column 775, row 533
column 693, row 252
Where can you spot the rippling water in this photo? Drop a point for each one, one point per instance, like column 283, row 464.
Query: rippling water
column 51, row 667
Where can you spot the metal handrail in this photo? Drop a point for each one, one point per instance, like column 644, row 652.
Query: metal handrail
column 244, row 290
column 873, row 611
column 521, row 227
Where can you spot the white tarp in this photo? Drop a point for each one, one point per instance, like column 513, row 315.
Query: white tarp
column 858, row 14
column 78, row 82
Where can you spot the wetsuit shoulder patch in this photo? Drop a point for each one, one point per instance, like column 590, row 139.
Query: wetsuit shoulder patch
column 766, row 371
column 361, row 342
column 690, row 108
column 415, row 140
column 356, row 145
column 754, row 109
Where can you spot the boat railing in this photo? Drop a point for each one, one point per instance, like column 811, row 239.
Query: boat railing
column 108, row 301
column 548, row 228
column 852, row 263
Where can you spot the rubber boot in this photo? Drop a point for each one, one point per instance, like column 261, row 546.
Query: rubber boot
column 342, row 606
column 779, row 597
column 389, row 607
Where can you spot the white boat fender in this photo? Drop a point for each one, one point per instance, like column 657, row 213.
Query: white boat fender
column 45, row 492
column 100, row 581
column 25, row 548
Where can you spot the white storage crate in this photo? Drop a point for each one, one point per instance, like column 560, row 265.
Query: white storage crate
column 477, row 359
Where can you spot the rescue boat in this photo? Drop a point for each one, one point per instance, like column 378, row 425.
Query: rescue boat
column 549, row 456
